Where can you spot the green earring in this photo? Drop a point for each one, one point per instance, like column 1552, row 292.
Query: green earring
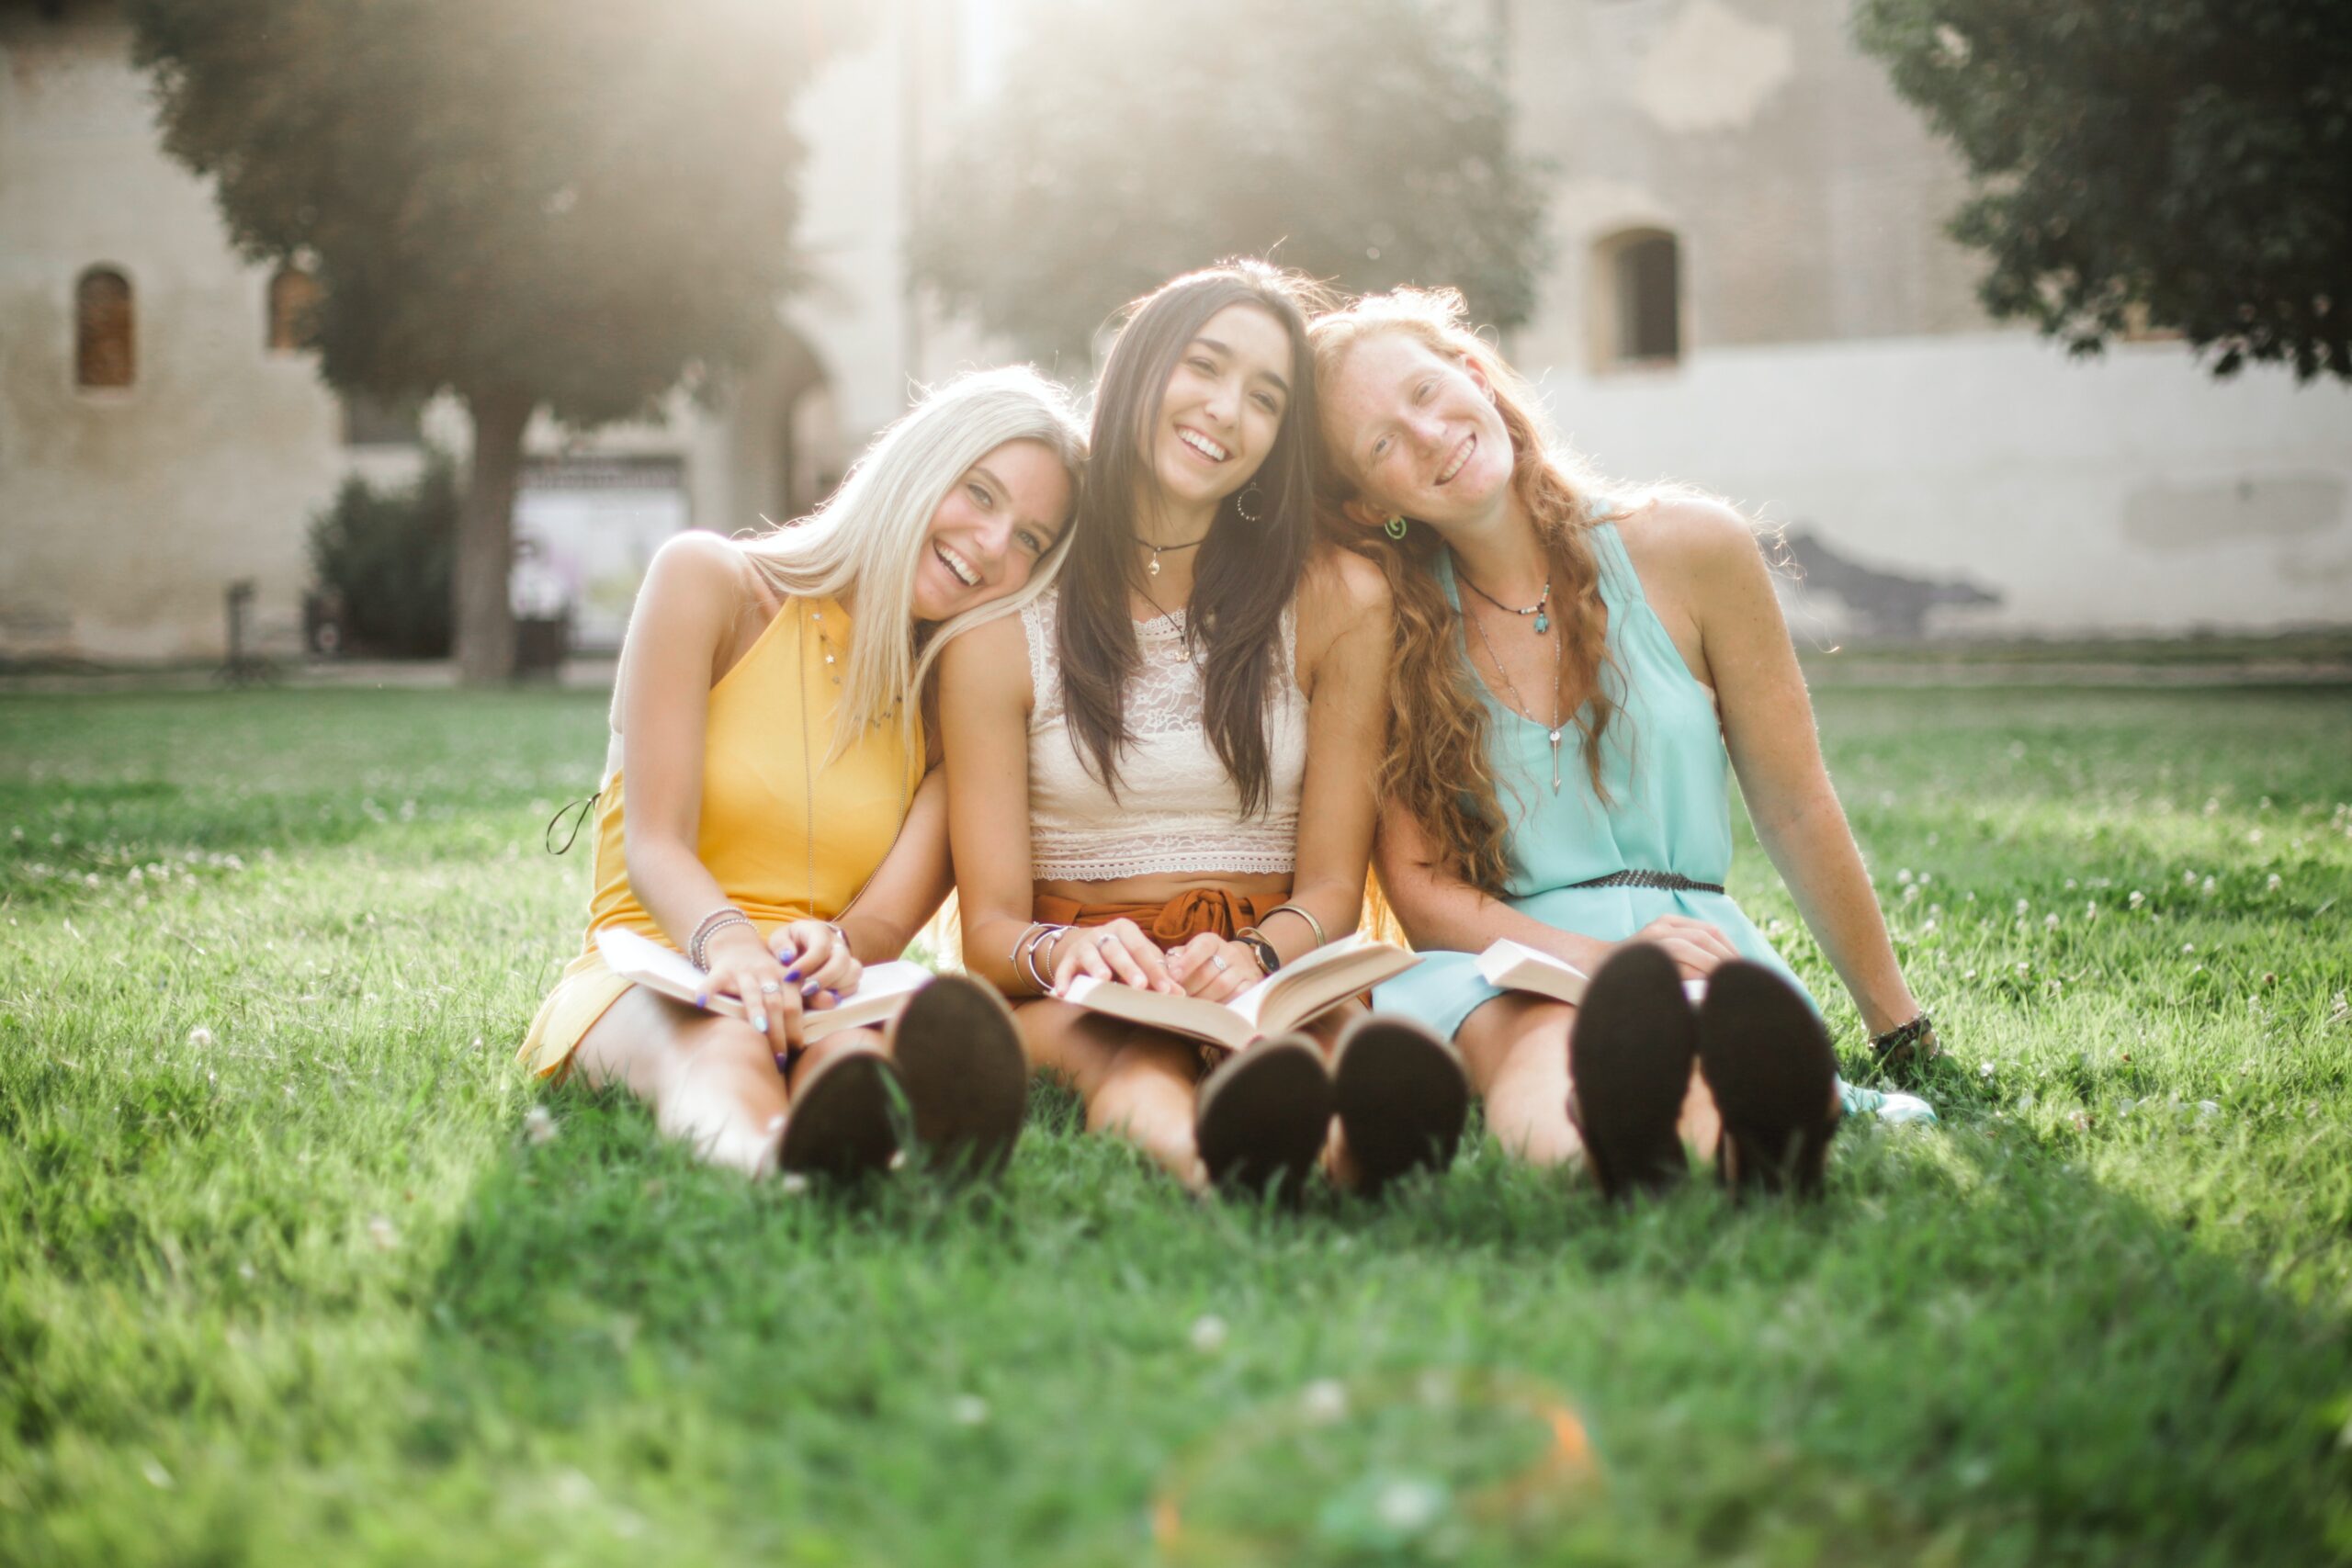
column 1396, row 527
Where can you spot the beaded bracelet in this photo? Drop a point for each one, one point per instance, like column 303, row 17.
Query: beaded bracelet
column 719, row 920
column 1896, row 1044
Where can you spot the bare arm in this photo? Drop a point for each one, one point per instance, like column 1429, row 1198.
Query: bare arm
column 984, row 723
column 913, row 880
column 1776, row 751
column 1344, row 653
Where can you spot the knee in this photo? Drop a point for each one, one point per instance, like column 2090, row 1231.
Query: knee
column 1146, row 1064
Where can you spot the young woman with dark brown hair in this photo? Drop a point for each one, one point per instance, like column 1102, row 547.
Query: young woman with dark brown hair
column 1161, row 772
column 1578, row 677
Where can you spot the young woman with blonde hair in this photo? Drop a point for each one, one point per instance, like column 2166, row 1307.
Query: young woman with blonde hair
column 1162, row 770
column 779, row 827
column 1578, row 675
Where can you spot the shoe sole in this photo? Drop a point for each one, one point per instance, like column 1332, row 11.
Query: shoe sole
column 1769, row 1062
column 958, row 1055
column 1629, row 1071
column 1263, row 1117
column 1402, row 1098
column 840, row 1125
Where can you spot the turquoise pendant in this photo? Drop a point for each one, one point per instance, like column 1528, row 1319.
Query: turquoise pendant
column 1542, row 623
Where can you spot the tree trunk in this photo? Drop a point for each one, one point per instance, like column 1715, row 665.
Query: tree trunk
column 483, row 615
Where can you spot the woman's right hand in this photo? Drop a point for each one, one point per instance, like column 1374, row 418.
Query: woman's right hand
column 1695, row 947
column 1118, row 950
column 742, row 966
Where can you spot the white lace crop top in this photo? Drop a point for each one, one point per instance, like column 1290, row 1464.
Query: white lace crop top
column 1176, row 809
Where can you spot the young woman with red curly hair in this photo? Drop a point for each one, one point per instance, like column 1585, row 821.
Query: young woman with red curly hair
column 1577, row 676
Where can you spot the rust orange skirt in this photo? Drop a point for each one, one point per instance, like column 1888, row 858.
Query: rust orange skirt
column 1171, row 924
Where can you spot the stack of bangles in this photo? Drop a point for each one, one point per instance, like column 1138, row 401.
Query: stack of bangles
column 719, row 920
column 1025, row 955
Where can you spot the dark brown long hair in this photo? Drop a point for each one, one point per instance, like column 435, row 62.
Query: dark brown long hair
column 1436, row 764
column 1247, row 571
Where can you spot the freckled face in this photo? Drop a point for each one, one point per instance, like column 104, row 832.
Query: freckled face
column 991, row 528
column 1222, row 407
column 1419, row 431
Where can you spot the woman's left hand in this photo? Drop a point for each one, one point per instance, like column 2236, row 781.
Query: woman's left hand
column 1216, row 970
column 815, row 957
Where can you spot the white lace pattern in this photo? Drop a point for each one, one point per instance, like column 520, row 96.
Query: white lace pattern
column 1176, row 809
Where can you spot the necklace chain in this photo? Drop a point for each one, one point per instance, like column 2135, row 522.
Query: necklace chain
column 1518, row 703
column 1543, row 621
column 1184, row 643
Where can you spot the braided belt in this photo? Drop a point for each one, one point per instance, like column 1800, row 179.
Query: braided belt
column 1665, row 881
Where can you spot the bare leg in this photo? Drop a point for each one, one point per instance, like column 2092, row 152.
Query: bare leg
column 1137, row 1083
column 1516, row 1048
column 711, row 1080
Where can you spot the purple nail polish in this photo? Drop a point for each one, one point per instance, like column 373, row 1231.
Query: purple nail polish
column 792, row 973
column 702, row 1000
column 811, row 989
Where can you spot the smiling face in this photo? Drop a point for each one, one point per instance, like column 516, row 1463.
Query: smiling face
column 1417, row 431
column 991, row 528
column 1222, row 407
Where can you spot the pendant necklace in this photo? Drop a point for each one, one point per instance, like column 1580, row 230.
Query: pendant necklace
column 1518, row 703
column 1184, row 643
column 1154, row 568
column 1543, row 616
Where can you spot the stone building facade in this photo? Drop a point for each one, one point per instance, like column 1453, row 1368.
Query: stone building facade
column 1751, row 291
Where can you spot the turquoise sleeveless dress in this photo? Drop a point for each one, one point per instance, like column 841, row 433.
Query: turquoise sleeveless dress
column 1668, row 809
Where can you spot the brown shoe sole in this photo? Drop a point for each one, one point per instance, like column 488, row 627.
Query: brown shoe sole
column 839, row 1124
column 1629, row 1070
column 1768, row 1059
column 1263, row 1117
column 958, row 1054
column 1402, row 1099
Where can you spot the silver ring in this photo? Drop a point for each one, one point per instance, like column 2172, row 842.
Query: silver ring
column 769, row 987
column 1216, row 962
column 1108, row 939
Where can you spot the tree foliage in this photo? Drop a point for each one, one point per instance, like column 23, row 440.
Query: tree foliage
column 2182, row 164
column 385, row 556
column 533, row 203
column 1362, row 141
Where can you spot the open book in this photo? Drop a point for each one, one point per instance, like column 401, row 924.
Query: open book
column 1301, row 990
column 881, row 991
column 1510, row 965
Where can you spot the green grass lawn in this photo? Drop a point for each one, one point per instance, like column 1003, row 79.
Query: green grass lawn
column 291, row 1272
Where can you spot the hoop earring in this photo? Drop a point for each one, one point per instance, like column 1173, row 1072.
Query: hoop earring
column 1243, row 512
column 1395, row 527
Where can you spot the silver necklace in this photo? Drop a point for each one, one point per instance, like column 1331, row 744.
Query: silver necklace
column 1518, row 703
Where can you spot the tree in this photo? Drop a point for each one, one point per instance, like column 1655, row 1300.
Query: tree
column 2184, row 164
column 529, row 204
column 1361, row 140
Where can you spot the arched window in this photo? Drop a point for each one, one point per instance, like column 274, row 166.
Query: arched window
column 104, row 344
column 293, row 294
column 1640, row 276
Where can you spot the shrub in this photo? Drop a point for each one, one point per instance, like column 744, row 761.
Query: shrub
column 386, row 557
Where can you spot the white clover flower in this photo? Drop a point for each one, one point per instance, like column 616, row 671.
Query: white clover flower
column 1208, row 1334
column 199, row 1037
column 2050, row 921
column 2024, row 906
column 1410, row 1505
column 968, row 1410
column 382, row 1232
column 2137, row 899
column 1323, row 1402
column 793, row 1183
column 2206, row 887
column 2276, row 883
column 538, row 1125
column 1904, row 875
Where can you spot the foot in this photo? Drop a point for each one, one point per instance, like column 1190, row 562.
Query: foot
column 1264, row 1115
column 1629, row 1068
column 839, row 1124
column 958, row 1054
column 1767, row 1058
column 1402, row 1098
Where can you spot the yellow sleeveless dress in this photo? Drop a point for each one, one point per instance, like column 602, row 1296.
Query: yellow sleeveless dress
column 770, row 723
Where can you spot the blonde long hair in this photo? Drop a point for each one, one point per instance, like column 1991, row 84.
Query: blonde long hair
column 1436, row 764
column 870, row 536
